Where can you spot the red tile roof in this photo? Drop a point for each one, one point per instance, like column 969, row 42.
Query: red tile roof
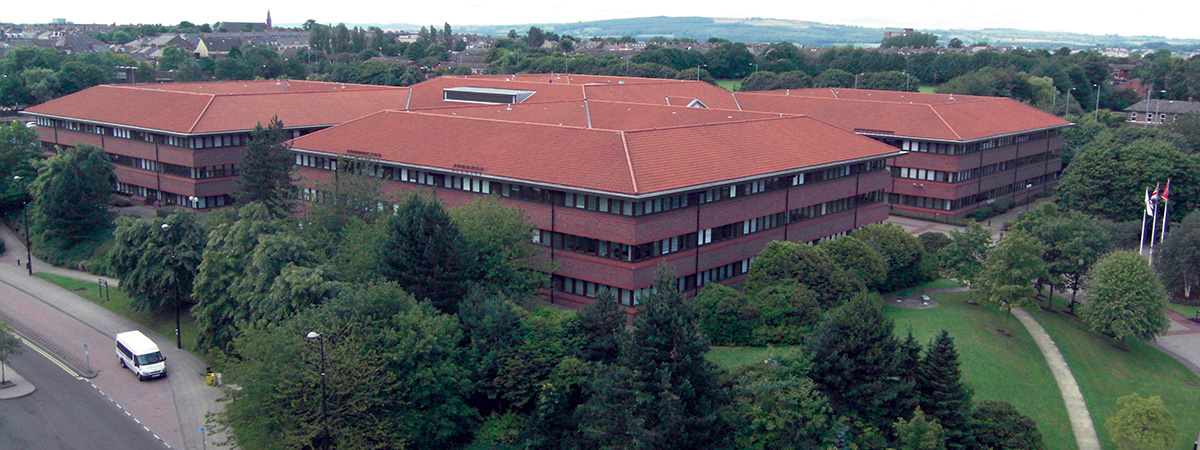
column 601, row 114
column 633, row 162
column 222, row 107
column 560, row 87
column 906, row 114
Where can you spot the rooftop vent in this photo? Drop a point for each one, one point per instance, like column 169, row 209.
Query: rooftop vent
column 485, row 95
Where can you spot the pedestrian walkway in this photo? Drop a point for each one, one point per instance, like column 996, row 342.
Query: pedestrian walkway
column 17, row 385
column 1077, row 411
column 176, row 408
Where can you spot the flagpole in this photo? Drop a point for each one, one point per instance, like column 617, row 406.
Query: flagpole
column 1153, row 221
column 1142, row 243
column 1166, row 210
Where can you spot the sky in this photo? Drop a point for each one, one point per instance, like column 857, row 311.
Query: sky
column 1168, row 18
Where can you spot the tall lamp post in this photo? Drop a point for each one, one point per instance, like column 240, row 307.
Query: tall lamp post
column 175, row 261
column 698, row 70
column 314, row 336
column 25, row 218
column 1098, row 87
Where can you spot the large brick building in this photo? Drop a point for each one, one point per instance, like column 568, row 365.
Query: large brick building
column 616, row 188
column 172, row 143
column 963, row 151
column 618, row 174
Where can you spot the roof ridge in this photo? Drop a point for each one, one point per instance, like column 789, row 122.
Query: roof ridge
column 192, row 129
column 730, row 122
column 423, row 112
column 629, row 163
column 944, row 122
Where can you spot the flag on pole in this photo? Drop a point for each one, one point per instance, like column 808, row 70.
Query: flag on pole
column 1166, row 210
column 1150, row 199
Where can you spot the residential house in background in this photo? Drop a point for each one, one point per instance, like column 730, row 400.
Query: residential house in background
column 1156, row 112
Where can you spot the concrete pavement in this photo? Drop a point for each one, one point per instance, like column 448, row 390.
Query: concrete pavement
column 1182, row 342
column 174, row 408
column 1077, row 411
column 18, row 386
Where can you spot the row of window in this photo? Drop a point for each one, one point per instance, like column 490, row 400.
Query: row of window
column 194, row 142
column 1162, row 117
column 913, row 173
column 215, row 201
column 586, row 201
column 582, row 288
column 632, row 297
column 969, row 201
column 944, row 148
column 195, row 173
column 653, row 249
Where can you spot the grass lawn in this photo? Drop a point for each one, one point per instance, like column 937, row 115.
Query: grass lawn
column 730, row 85
column 928, row 89
column 118, row 301
column 998, row 367
column 1184, row 310
column 1106, row 372
column 733, row 357
column 935, row 284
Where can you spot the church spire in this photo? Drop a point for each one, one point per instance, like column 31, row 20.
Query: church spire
column 268, row 19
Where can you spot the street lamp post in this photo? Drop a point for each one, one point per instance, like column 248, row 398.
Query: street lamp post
column 755, row 67
column 1098, row 87
column 856, row 80
column 25, row 218
column 174, row 262
column 314, row 336
column 698, row 70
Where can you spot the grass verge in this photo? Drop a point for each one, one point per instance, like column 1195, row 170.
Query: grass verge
column 730, row 85
column 118, row 301
column 999, row 367
column 1106, row 372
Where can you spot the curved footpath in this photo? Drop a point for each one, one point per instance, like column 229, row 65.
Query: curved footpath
column 1077, row 411
column 62, row 323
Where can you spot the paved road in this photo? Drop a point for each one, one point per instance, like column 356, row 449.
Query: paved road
column 66, row 413
column 174, row 408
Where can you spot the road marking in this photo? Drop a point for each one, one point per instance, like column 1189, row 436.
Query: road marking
column 51, row 358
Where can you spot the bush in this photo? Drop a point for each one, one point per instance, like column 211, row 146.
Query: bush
column 1003, row 205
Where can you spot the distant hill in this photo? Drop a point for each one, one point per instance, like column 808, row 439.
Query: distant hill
column 813, row 34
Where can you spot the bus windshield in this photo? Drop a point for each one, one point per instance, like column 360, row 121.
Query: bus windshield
column 149, row 358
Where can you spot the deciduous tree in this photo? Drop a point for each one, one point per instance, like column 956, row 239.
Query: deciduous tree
column 963, row 257
column 921, row 433
column 724, row 317
column 1127, row 300
column 784, row 262
column 1012, row 267
column 1178, row 258
column 858, row 259
column 999, row 425
column 901, row 252
column 506, row 260
column 1142, row 424
column 71, row 196
column 157, row 260
column 395, row 376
